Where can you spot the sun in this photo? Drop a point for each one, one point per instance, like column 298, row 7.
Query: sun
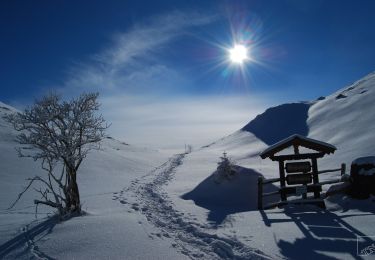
column 238, row 54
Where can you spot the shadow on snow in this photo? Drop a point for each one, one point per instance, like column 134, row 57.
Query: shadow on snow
column 229, row 196
column 280, row 122
column 25, row 240
column 323, row 231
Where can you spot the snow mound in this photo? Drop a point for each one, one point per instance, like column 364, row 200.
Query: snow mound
column 366, row 165
column 364, row 160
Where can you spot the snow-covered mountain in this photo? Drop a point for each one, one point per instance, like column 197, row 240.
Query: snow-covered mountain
column 142, row 205
column 344, row 119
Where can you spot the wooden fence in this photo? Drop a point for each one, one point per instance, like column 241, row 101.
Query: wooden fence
column 309, row 188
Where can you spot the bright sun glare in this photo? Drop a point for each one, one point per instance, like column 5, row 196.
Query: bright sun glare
column 238, row 54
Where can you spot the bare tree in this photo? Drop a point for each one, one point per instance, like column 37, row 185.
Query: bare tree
column 59, row 134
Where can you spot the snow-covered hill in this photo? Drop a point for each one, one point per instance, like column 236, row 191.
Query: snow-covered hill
column 345, row 119
column 108, row 231
column 143, row 205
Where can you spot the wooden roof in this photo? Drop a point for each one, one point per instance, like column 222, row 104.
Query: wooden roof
column 298, row 140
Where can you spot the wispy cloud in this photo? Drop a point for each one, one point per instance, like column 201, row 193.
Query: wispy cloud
column 132, row 62
column 138, row 90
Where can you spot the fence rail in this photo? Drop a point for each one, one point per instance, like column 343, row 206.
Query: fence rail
column 262, row 181
column 342, row 170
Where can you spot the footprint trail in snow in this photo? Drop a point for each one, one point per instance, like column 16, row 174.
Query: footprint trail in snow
column 196, row 241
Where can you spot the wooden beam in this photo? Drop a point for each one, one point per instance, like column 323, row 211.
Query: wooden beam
column 315, row 176
column 296, row 150
column 297, row 140
column 327, row 182
column 282, row 179
column 271, row 193
column 302, row 156
column 260, row 192
column 333, row 170
column 343, row 169
column 309, row 188
column 266, row 181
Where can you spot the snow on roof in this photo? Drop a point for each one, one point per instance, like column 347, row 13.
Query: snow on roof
column 364, row 160
column 301, row 140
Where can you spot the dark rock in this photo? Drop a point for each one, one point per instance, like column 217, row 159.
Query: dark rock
column 340, row 96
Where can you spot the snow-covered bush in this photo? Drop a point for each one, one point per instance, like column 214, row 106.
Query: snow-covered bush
column 225, row 169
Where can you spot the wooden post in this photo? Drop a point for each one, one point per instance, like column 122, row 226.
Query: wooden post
column 260, row 193
column 315, row 176
column 304, row 195
column 343, row 169
column 282, row 180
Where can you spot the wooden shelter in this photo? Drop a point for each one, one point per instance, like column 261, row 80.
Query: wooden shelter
column 297, row 177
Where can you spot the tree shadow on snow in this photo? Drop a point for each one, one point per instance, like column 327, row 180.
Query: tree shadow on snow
column 280, row 122
column 236, row 195
column 323, row 231
column 25, row 240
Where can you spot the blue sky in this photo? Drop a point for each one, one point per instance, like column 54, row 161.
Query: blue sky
column 162, row 67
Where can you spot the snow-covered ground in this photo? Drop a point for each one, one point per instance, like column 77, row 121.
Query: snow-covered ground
column 108, row 231
column 345, row 119
column 145, row 204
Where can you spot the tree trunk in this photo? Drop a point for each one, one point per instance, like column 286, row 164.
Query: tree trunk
column 76, row 203
column 73, row 203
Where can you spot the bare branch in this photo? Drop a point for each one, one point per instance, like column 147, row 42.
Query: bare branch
column 48, row 203
column 58, row 132
column 21, row 193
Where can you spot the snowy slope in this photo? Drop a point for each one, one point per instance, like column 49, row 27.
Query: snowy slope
column 142, row 205
column 109, row 230
column 345, row 119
